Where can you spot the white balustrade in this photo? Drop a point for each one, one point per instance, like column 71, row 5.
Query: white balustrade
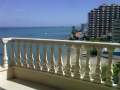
column 60, row 63
column 12, row 56
column 68, row 65
column 109, row 69
column 97, row 77
column 52, row 61
column 38, row 60
column 77, row 74
column 25, row 62
column 87, row 67
column 45, row 61
column 31, row 64
column 37, row 65
column 5, row 57
column 19, row 63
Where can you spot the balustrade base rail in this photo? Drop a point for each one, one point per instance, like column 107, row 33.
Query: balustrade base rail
column 53, row 80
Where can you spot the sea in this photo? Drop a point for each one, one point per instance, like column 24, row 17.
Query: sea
column 35, row 32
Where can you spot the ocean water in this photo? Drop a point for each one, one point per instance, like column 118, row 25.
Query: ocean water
column 35, row 32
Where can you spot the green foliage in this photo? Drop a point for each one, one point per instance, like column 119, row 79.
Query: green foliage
column 103, row 73
column 93, row 51
column 116, row 70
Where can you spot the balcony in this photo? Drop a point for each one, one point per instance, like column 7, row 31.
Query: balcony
column 49, row 64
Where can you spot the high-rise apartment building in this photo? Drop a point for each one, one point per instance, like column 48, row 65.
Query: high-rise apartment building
column 84, row 27
column 100, row 20
column 116, row 31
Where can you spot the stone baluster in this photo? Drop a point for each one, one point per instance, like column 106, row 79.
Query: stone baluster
column 97, row 77
column 108, row 81
column 31, row 64
column 87, row 68
column 12, row 56
column 25, row 63
column 5, row 57
column 119, row 80
column 68, row 65
column 45, row 61
column 19, row 63
column 77, row 74
column 38, row 65
column 52, row 61
column 60, row 63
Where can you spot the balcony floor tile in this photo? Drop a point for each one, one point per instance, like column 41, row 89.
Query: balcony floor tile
column 16, row 84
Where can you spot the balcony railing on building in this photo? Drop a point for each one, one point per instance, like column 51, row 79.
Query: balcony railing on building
column 28, row 58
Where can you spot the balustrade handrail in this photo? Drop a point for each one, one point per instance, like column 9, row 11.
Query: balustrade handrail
column 38, row 40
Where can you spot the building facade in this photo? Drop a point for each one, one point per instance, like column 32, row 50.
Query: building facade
column 116, row 31
column 100, row 20
column 84, row 28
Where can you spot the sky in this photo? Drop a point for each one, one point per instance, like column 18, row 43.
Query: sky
column 28, row 13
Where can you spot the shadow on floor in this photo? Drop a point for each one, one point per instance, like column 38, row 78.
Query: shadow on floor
column 2, row 88
column 33, row 85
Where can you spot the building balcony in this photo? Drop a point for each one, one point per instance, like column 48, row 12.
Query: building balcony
column 49, row 64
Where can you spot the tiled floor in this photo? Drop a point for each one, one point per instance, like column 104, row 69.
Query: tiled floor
column 17, row 84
